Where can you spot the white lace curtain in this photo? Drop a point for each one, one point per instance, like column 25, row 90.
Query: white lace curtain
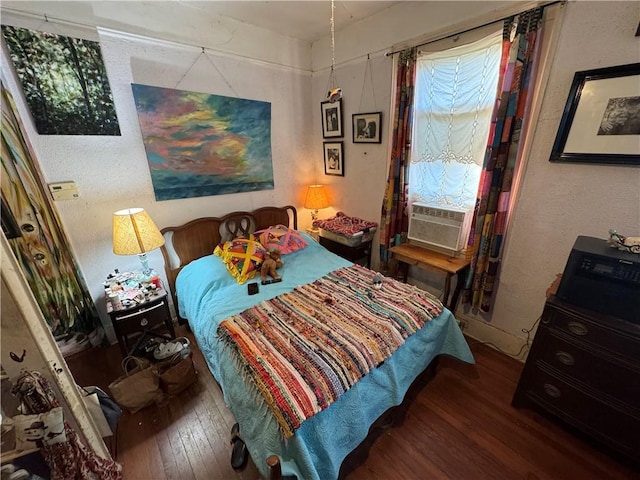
column 454, row 97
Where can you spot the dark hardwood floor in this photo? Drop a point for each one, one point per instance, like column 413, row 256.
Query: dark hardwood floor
column 459, row 425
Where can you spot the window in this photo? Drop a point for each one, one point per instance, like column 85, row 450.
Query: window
column 455, row 94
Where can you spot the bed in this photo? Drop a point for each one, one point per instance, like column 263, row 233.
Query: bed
column 206, row 295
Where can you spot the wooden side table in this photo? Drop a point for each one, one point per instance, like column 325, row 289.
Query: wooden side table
column 352, row 253
column 408, row 254
column 313, row 233
column 151, row 314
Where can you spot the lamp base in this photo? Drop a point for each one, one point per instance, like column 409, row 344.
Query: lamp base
column 147, row 272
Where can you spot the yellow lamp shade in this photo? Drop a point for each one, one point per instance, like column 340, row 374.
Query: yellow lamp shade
column 134, row 232
column 316, row 197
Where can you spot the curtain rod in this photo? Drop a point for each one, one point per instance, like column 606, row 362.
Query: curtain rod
column 471, row 29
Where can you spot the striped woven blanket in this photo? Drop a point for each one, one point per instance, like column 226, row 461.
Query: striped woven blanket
column 303, row 349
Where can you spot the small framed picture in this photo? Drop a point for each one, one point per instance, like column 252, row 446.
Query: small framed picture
column 331, row 119
column 333, row 159
column 367, row 127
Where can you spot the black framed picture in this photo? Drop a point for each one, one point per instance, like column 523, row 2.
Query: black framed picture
column 331, row 119
column 601, row 119
column 367, row 127
column 333, row 158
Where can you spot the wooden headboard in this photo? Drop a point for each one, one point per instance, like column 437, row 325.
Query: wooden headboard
column 200, row 237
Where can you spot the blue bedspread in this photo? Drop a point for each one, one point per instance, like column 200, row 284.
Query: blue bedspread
column 208, row 294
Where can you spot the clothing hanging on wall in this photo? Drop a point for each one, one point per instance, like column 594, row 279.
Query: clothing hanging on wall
column 69, row 459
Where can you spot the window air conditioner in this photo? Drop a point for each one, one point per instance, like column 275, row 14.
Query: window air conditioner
column 441, row 229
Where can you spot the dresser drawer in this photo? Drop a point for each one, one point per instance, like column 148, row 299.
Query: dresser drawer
column 616, row 427
column 599, row 372
column 597, row 334
column 142, row 319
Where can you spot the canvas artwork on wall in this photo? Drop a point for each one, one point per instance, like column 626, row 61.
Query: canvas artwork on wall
column 199, row 144
column 64, row 82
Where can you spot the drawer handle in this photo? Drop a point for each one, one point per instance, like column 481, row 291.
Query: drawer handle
column 578, row 328
column 565, row 357
column 551, row 390
column 134, row 314
column 144, row 322
column 545, row 320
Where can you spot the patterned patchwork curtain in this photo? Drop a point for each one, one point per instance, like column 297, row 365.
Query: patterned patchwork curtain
column 517, row 72
column 395, row 222
column 40, row 245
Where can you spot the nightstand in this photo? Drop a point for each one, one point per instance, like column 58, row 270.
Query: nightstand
column 352, row 253
column 313, row 233
column 151, row 314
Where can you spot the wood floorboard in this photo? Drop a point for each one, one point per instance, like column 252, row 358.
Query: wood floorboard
column 459, row 425
column 493, row 414
column 171, row 448
column 484, row 440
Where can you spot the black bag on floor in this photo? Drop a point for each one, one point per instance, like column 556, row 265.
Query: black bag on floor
column 109, row 409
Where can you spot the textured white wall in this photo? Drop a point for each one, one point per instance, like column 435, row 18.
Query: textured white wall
column 112, row 173
column 360, row 192
column 408, row 23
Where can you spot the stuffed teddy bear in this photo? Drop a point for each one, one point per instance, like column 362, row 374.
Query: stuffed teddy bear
column 272, row 261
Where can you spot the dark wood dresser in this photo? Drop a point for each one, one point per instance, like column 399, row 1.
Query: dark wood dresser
column 584, row 368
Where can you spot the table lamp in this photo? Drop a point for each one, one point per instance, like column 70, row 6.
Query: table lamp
column 315, row 200
column 134, row 233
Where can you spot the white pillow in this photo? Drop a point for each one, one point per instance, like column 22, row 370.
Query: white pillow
column 35, row 431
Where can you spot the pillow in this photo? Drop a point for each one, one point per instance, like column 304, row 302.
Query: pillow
column 35, row 431
column 242, row 257
column 283, row 238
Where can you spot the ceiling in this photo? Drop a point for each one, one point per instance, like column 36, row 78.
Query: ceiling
column 304, row 20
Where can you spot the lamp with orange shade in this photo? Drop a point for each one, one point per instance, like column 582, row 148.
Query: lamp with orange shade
column 315, row 200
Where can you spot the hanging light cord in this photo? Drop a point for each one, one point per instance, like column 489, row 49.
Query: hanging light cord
column 333, row 45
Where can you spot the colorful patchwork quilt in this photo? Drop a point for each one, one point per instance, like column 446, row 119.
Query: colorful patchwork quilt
column 302, row 350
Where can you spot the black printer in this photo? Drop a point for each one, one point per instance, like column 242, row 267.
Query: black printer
column 602, row 278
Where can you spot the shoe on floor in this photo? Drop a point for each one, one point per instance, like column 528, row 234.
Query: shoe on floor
column 239, row 453
column 166, row 350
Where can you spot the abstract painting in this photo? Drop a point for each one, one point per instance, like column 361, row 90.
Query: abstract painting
column 199, row 144
column 64, row 82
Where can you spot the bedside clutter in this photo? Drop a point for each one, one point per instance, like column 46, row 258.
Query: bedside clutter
column 584, row 363
column 349, row 237
column 135, row 307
